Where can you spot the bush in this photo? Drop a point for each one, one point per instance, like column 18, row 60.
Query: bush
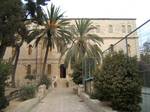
column 118, row 81
column 4, row 71
column 77, row 74
column 28, row 92
column 30, row 77
column 45, row 80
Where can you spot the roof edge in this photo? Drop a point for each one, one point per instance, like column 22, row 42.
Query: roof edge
column 100, row 18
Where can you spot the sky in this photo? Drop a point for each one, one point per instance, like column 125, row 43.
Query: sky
column 139, row 9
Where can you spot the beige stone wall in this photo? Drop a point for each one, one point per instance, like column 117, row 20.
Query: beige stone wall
column 35, row 59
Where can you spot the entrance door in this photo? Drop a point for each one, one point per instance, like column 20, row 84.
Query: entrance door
column 62, row 71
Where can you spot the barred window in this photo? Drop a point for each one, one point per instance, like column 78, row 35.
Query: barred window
column 123, row 29
column 129, row 28
column 110, row 29
column 129, row 49
column 29, row 70
column 30, row 50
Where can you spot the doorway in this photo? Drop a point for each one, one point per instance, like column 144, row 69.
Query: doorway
column 62, row 71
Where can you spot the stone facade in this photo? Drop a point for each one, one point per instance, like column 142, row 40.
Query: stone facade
column 111, row 30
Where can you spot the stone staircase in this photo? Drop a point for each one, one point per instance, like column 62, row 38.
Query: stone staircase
column 61, row 83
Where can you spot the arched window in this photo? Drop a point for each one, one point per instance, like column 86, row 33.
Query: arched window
column 123, row 29
column 29, row 70
column 110, row 29
column 129, row 49
column 129, row 28
column 30, row 49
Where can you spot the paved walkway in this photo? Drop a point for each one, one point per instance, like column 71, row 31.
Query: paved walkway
column 61, row 100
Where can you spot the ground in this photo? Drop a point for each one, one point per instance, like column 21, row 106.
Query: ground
column 61, row 100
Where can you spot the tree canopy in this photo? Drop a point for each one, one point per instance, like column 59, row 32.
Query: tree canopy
column 85, row 44
column 11, row 16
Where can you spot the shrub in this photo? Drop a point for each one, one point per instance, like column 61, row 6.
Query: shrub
column 45, row 80
column 30, row 77
column 77, row 74
column 28, row 92
column 119, row 81
column 4, row 71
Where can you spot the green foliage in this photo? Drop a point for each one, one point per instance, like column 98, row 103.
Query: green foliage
column 33, row 8
column 30, row 77
column 10, row 20
column 77, row 74
column 11, row 23
column 4, row 71
column 119, row 81
column 45, row 80
column 28, row 92
column 54, row 35
column 84, row 44
column 3, row 102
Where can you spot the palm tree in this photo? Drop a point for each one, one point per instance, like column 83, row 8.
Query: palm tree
column 54, row 33
column 84, row 43
column 20, row 38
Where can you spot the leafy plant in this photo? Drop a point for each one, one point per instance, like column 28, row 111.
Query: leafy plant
column 30, row 77
column 4, row 71
column 28, row 92
column 84, row 44
column 119, row 81
column 77, row 73
column 45, row 80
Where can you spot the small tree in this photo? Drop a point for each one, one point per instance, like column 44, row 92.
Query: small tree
column 4, row 71
column 45, row 80
column 119, row 81
column 28, row 92
column 77, row 73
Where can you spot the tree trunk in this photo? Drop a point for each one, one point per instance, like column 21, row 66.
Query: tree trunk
column 15, row 65
column 2, row 51
column 45, row 59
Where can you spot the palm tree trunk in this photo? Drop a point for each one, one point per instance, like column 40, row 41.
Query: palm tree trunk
column 15, row 65
column 45, row 59
column 2, row 51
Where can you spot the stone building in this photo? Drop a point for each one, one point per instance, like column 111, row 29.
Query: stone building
column 110, row 29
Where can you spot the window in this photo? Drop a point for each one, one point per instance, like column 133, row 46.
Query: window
column 49, row 68
column 129, row 28
column 13, row 51
column 110, row 30
column 97, row 28
column 30, row 49
column 129, row 49
column 29, row 70
column 123, row 29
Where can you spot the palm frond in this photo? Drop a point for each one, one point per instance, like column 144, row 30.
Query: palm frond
column 85, row 44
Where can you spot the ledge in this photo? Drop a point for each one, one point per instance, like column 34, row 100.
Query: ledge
column 28, row 105
column 95, row 105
